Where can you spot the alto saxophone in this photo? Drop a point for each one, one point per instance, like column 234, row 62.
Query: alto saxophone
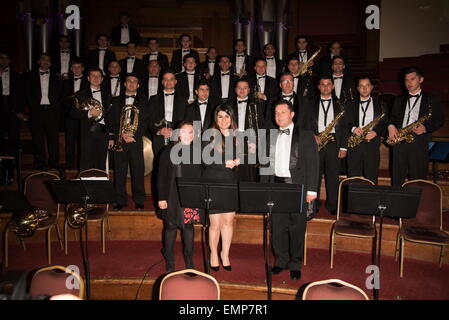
column 406, row 133
column 355, row 140
column 306, row 67
column 325, row 136
column 129, row 122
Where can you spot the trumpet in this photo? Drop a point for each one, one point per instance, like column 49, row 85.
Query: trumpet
column 165, row 123
column 129, row 122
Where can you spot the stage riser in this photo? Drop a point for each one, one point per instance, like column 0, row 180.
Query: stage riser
column 247, row 230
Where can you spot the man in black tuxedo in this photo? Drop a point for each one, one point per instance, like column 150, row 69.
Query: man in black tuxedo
column 364, row 159
column 301, row 105
column 177, row 60
column 295, row 160
column 274, row 66
column 209, row 67
column 62, row 56
column 267, row 86
column 101, row 57
column 343, row 82
column 113, row 82
column 187, row 81
column 132, row 64
column 154, row 54
column 152, row 84
column 325, row 110
column 325, row 64
column 11, row 105
column 223, row 82
column 242, row 64
column 43, row 90
column 128, row 148
column 303, row 83
column 76, row 82
column 167, row 109
column 302, row 53
column 410, row 160
column 124, row 33
column 202, row 109
column 96, row 136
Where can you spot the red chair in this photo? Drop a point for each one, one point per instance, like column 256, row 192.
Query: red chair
column 54, row 280
column 189, row 284
column 352, row 225
column 39, row 197
column 427, row 227
column 333, row 289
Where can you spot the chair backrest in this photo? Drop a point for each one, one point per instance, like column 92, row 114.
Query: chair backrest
column 342, row 196
column 430, row 207
column 37, row 192
column 93, row 173
column 56, row 280
column 189, row 284
column 333, row 289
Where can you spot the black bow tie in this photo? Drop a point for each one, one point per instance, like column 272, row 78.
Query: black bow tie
column 185, row 50
column 288, row 97
column 153, row 54
column 64, row 51
column 95, row 91
column 201, row 103
column 337, row 78
column 243, row 101
column 261, row 77
column 211, row 61
column 413, row 96
column 75, row 79
column 169, row 94
column 225, row 74
column 240, row 55
column 132, row 58
column 43, row 72
column 115, row 77
column 272, row 58
column 326, row 100
column 363, row 102
column 153, row 77
column 190, row 74
column 286, row 131
column 131, row 96
column 124, row 27
column 296, row 77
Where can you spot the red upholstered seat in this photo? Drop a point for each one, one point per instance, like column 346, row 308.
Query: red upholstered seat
column 333, row 290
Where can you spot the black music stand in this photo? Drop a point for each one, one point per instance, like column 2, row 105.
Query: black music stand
column 270, row 198
column 438, row 153
column 394, row 202
column 83, row 192
column 208, row 194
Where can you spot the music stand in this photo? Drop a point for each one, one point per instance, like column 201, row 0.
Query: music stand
column 438, row 153
column 270, row 198
column 208, row 194
column 83, row 192
column 394, row 202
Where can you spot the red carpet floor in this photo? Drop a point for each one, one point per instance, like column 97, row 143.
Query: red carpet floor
column 132, row 259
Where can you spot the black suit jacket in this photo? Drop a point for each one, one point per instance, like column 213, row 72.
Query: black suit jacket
column 325, row 65
column 161, row 58
column 117, row 33
column 67, row 90
column 182, row 85
column 301, row 105
column 92, row 59
column 348, row 89
column 204, row 67
column 176, row 60
column 260, row 113
column 427, row 100
column 16, row 100
column 280, row 65
column 304, row 161
column 144, row 86
column 215, row 87
column 193, row 114
column 271, row 86
column 56, row 60
column 341, row 129
column 106, row 85
column 353, row 115
column 138, row 68
column 33, row 92
column 249, row 64
column 316, row 64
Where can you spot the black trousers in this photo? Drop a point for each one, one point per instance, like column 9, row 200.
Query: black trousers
column 410, row 160
column 330, row 167
column 94, row 150
column 71, row 141
column 364, row 160
column 9, row 124
column 45, row 126
column 170, row 230
column 132, row 154
column 288, row 239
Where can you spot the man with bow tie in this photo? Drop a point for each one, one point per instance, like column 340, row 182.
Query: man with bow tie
column 267, row 86
column 411, row 160
column 96, row 136
column 209, row 67
column 303, row 83
column 101, row 57
column 274, row 66
column 187, row 81
column 124, row 33
column 242, row 64
column 302, row 53
column 325, row 64
column 62, row 56
column 154, row 54
column 132, row 153
column 343, row 82
column 152, row 84
column 223, row 82
column 76, row 82
column 177, row 60
column 295, row 160
column 43, row 93
column 132, row 64
column 113, row 83
column 202, row 109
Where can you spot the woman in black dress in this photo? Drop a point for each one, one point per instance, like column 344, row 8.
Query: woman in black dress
column 223, row 167
column 173, row 215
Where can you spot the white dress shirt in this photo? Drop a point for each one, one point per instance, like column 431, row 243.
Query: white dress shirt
column 412, row 108
column 261, row 82
column 153, row 86
column 225, row 81
column 282, row 154
column 271, row 66
column 241, row 109
column 303, row 56
column 368, row 107
column 97, row 96
column 289, row 97
column 169, row 102
column 191, row 79
column 184, row 53
column 5, row 82
column 65, row 60
column 45, row 83
column 101, row 54
column 130, row 100
column 296, row 83
column 77, row 83
column 211, row 67
column 130, row 64
column 323, row 121
column 115, row 86
column 203, row 106
column 124, row 34
column 338, row 83
column 153, row 56
column 239, row 63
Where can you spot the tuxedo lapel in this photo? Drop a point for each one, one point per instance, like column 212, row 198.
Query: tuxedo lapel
column 294, row 150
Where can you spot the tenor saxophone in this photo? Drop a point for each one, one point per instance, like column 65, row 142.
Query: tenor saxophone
column 326, row 136
column 306, row 67
column 355, row 140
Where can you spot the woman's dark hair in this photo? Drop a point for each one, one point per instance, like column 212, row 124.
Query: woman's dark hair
column 227, row 108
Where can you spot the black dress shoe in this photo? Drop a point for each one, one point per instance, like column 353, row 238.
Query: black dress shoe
column 139, row 207
column 118, row 207
column 276, row 270
column 295, row 275
column 216, row 269
column 227, row 268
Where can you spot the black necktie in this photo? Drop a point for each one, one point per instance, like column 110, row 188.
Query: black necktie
column 132, row 58
column 43, row 72
column 95, row 91
column 243, row 101
column 225, row 74
column 131, row 96
column 153, row 77
column 410, row 109
column 286, row 131
column 325, row 110
column 169, row 94
column 338, row 78
column 364, row 110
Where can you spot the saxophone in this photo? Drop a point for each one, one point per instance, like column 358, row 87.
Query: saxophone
column 355, row 140
column 306, row 67
column 406, row 133
column 129, row 122
column 325, row 136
